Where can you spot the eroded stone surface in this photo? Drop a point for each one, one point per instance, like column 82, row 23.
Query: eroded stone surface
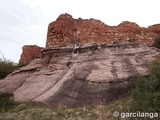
column 90, row 74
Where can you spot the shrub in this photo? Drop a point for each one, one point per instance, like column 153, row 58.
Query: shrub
column 156, row 43
column 146, row 95
column 6, row 67
column 6, row 103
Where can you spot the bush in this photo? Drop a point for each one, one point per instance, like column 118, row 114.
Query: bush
column 142, row 96
column 157, row 43
column 6, row 103
column 146, row 95
column 6, row 67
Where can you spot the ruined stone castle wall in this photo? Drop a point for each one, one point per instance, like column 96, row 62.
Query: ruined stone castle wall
column 67, row 30
column 30, row 52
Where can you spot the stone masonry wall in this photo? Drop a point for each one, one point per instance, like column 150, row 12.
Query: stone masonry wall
column 29, row 53
column 67, row 30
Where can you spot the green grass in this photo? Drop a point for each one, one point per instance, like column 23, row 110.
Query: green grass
column 6, row 103
column 22, row 111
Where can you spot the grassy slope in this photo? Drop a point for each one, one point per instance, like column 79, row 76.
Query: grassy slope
column 22, row 111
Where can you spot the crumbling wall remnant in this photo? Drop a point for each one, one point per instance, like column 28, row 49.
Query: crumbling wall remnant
column 67, row 30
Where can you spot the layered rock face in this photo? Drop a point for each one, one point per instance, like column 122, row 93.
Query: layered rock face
column 67, row 30
column 29, row 53
column 80, row 75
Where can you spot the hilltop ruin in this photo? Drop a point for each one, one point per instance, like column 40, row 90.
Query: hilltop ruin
column 85, row 62
column 67, row 30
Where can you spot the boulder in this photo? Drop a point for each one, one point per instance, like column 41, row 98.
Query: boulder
column 80, row 75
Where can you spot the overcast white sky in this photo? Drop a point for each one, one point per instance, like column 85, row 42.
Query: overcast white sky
column 25, row 22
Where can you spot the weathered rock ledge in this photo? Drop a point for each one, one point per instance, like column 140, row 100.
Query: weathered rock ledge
column 80, row 75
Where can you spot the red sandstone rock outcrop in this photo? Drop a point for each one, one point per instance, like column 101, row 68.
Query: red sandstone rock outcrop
column 67, row 30
column 29, row 53
column 80, row 77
